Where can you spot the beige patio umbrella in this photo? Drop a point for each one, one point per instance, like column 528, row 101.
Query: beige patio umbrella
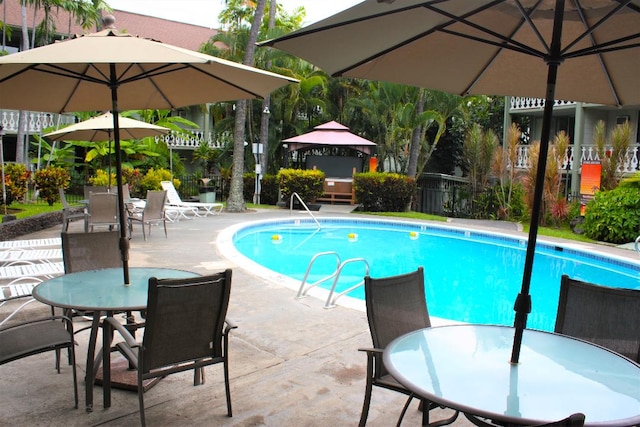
column 587, row 50
column 100, row 128
column 114, row 71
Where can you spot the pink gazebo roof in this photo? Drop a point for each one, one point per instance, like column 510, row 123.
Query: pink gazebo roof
column 330, row 134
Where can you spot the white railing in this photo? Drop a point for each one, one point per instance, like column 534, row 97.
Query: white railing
column 588, row 154
column 38, row 121
column 524, row 103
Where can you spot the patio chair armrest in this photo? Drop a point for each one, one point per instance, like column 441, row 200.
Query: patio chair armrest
column 128, row 338
column 372, row 350
column 229, row 326
column 64, row 319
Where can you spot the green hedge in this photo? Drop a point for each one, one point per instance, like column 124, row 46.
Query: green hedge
column 384, row 192
column 308, row 184
column 614, row 216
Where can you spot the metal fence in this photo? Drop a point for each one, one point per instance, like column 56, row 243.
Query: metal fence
column 445, row 195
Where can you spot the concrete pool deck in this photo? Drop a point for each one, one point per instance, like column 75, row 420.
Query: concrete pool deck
column 292, row 362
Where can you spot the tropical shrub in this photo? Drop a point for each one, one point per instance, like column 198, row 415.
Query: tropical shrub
column 133, row 178
column 16, row 177
column 384, row 192
column 492, row 204
column 49, row 179
column 101, row 178
column 614, row 216
column 153, row 178
column 269, row 190
column 308, row 184
column 248, row 186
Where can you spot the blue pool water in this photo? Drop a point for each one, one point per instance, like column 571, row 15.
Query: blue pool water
column 470, row 276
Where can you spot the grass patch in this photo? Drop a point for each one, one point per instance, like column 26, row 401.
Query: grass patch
column 408, row 215
column 26, row 210
column 561, row 233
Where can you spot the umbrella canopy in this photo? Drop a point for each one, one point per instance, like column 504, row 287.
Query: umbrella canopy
column 585, row 50
column 115, row 71
column 330, row 134
column 100, row 128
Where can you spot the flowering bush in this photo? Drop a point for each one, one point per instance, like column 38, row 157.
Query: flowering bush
column 153, row 177
column 16, row 177
column 101, row 178
column 48, row 180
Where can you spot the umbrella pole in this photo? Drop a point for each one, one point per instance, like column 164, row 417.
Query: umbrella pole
column 522, row 305
column 124, row 242
column 109, row 160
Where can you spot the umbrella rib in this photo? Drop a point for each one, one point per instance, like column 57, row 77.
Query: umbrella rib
column 301, row 33
column 504, row 44
column 594, row 43
column 589, row 30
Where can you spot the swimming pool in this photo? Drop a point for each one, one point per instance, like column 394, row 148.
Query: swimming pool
column 470, row 276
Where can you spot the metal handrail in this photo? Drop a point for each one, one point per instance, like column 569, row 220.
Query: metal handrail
column 305, row 207
column 302, row 292
column 332, row 302
column 635, row 245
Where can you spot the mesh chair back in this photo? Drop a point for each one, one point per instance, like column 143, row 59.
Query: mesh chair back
column 63, row 199
column 396, row 305
column 185, row 319
column 103, row 208
column 88, row 189
column 126, row 195
column 154, row 208
column 606, row 316
column 90, row 251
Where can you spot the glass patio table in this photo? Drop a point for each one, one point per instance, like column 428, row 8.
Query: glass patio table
column 467, row 367
column 103, row 292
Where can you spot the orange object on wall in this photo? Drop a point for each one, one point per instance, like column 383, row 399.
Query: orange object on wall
column 373, row 164
column 589, row 183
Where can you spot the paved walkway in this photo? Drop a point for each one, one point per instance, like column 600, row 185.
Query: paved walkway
column 293, row 363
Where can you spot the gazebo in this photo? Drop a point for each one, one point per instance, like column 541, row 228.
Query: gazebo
column 333, row 149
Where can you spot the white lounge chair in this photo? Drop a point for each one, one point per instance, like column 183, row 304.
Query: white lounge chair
column 173, row 199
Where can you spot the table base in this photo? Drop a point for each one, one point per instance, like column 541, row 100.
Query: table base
column 124, row 378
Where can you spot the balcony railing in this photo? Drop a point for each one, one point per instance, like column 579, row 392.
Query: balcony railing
column 587, row 154
column 38, row 121
column 523, row 103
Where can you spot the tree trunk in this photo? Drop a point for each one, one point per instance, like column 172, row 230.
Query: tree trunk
column 22, row 117
column 416, row 136
column 235, row 203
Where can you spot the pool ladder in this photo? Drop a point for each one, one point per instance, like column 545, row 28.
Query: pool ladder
column 295, row 195
column 331, row 299
column 635, row 245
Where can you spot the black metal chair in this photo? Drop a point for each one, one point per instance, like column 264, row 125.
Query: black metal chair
column 609, row 317
column 20, row 339
column 175, row 339
column 396, row 305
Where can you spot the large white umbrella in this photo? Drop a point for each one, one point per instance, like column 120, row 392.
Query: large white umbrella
column 115, row 71
column 578, row 50
column 100, row 128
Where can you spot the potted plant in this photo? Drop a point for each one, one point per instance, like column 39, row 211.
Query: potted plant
column 207, row 191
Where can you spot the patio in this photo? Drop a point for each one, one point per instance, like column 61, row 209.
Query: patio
column 292, row 362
